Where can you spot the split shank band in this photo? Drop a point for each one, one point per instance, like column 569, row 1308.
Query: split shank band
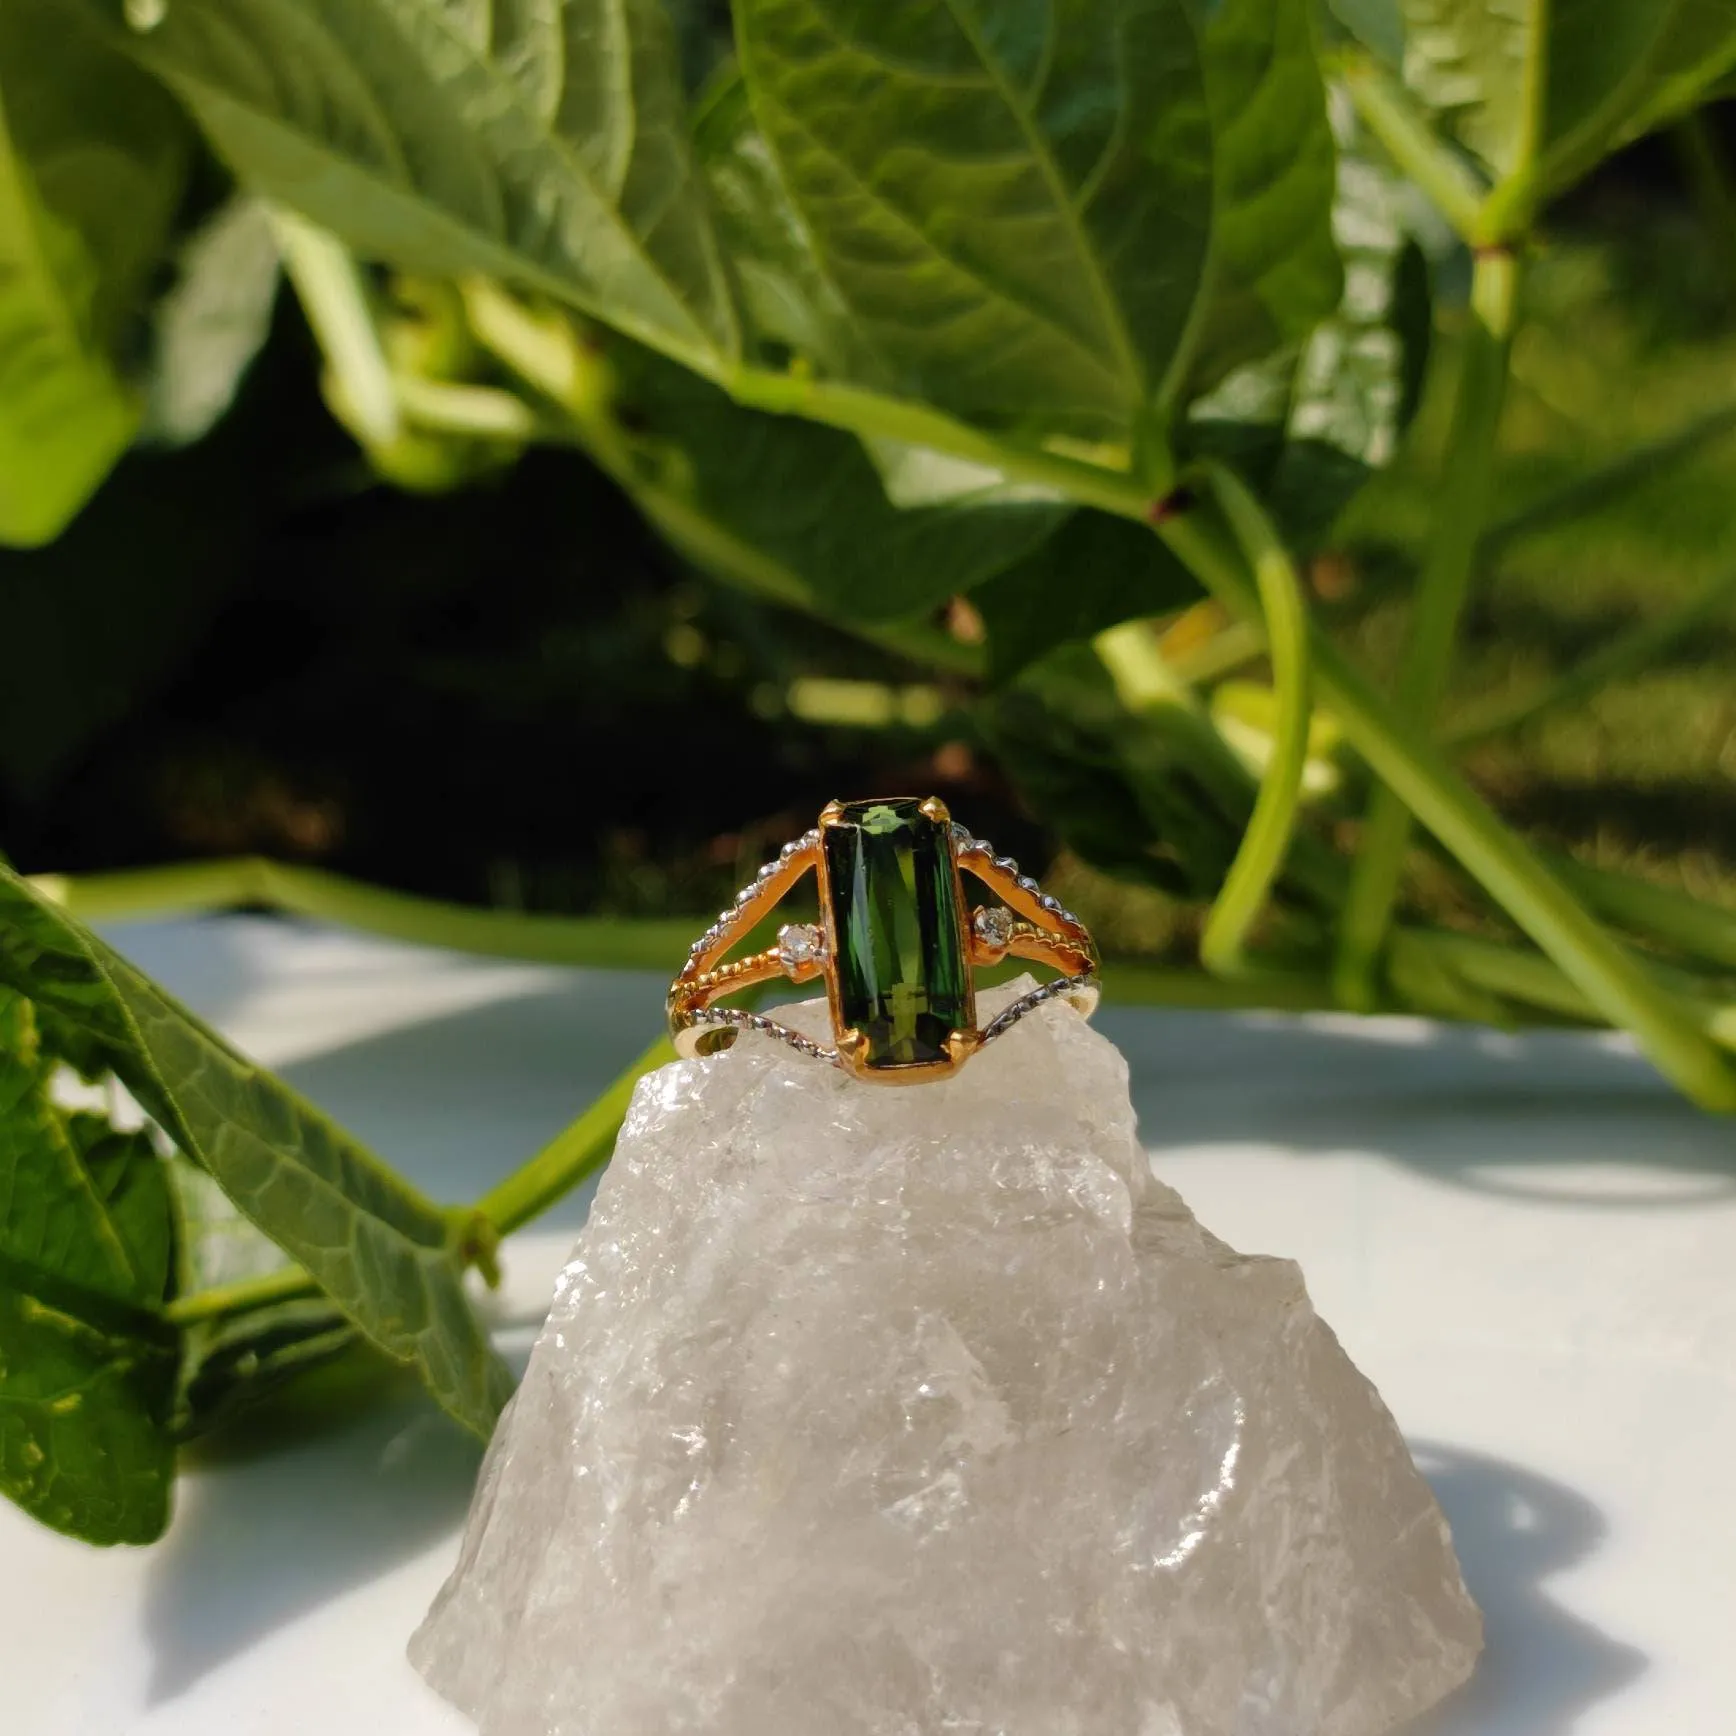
column 896, row 944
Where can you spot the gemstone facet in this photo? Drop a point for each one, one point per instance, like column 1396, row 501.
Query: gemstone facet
column 994, row 925
column 902, row 977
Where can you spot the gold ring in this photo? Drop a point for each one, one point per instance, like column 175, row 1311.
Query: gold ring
column 896, row 943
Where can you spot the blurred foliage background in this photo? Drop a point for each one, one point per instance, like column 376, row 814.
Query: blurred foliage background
column 515, row 694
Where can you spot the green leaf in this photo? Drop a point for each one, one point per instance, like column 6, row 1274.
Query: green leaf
column 1153, row 798
column 212, row 323
column 1618, row 70
column 542, row 144
column 1376, row 24
column 1275, row 272
column 807, row 508
column 1475, row 62
column 785, row 293
column 92, row 162
column 1543, row 91
column 87, row 1367
column 1014, row 200
column 387, row 1257
column 229, row 1365
column 1308, row 428
column 1092, row 573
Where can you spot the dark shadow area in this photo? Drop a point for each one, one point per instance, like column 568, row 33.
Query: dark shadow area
column 1542, row 1666
column 453, row 1099
column 457, row 1102
column 338, row 1511
column 1665, row 816
column 1468, row 1105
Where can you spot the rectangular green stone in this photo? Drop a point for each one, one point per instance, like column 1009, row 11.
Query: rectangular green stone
column 903, row 978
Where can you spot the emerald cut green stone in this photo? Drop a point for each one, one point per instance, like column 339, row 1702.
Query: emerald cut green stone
column 903, row 980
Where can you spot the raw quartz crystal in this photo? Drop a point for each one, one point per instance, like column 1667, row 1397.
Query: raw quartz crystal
column 865, row 1410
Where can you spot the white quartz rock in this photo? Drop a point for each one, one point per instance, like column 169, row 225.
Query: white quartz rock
column 931, row 1410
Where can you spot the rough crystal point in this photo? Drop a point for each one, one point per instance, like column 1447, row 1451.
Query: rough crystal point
column 915, row 1411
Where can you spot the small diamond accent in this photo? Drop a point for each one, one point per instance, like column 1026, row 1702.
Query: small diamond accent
column 994, row 925
column 800, row 944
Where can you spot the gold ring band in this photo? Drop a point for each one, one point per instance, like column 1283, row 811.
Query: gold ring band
column 896, row 943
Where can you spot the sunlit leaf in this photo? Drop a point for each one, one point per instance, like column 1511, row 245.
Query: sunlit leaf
column 543, row 144
column 92, row 161
column 385, row 1255
column 1274, row 270
column 807, row 507
column 1014, row 201
column 87, row 1368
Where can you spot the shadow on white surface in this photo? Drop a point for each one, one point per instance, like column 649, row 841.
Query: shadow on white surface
column 1490, row 1111
column 457, row 1102
column 262, row 1545
column 1515, row 1530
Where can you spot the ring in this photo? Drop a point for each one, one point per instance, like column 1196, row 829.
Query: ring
column 896, row 943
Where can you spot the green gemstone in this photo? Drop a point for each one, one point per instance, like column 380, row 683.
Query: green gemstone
column 903, row 980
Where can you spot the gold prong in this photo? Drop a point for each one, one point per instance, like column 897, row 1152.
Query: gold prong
column 853, row 1049
column 960, row 1046
column 831, row 814
column 936, row 810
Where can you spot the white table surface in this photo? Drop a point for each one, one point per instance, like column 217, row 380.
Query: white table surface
column 1528, row 1243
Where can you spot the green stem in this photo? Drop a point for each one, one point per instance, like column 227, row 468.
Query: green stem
column 1229, row 649
column 1596, row 489
column 1433, row 633
column 873, row 416
column 243, row 1297
column 1704, row 932
column 1266, row 841
column 1611, row 980
column 483, row 412
column 595, row 942
column 1386, row 109
column 546, row 354
column 573, row 1155
column 1627, row 651
column 339, row 307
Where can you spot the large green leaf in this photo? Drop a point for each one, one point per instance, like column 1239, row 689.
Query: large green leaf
column 92, row 160
column 87, row 1367
column 1275, row 272
column 807, row 507
column 1014, row 199
column 1309, row 426
column 785, row 292
column 540, row 143
column 1542, row 89
column 390, row 1259
column 1092, row 573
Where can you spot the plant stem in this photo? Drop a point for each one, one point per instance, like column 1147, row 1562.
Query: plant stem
column 1386, row 109
column 336, row 300
column 1266, row 841
column 1705, row 932
column 573, row 1155
column 1597, row 488
column 1440, row 597
column 1626, row 651
column 595, row 942
column 874, row 416
column 1613, row 982
column 546, row 354
column 243, row 1297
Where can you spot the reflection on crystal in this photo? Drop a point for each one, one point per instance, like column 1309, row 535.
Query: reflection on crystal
column 866, row 1411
